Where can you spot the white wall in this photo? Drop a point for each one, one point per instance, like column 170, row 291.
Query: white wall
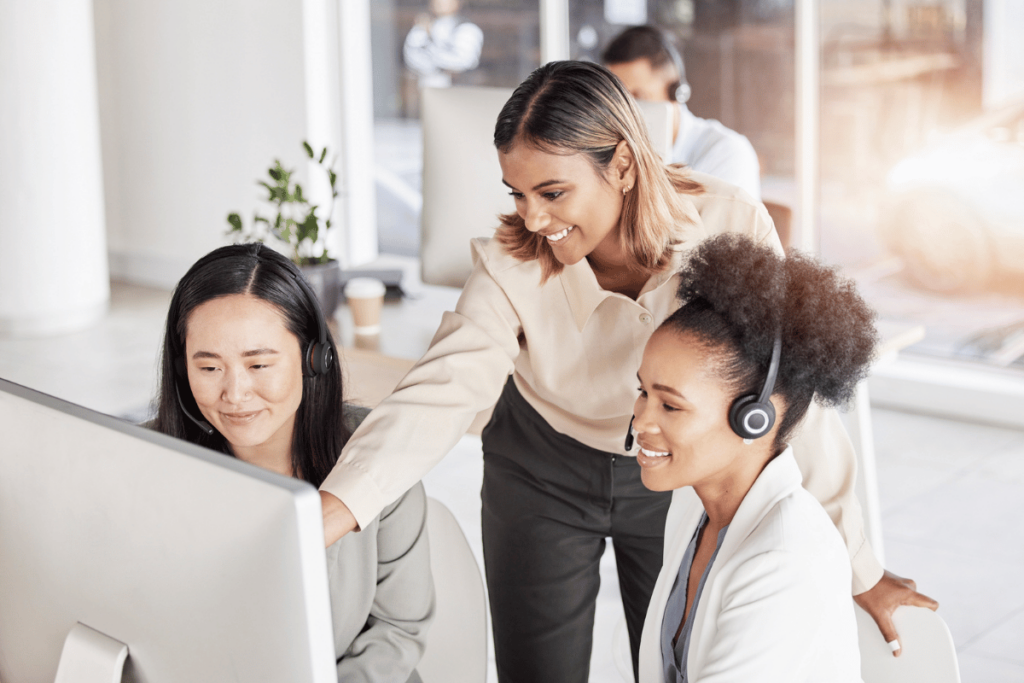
column 196, row 100
column 53, row 269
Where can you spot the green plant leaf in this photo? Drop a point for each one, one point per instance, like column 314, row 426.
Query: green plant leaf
column 236, row 222
column 333, row 178
column 275, row 173
column 309, row 228
column 298, row 193
column 309, row 150
column 323, row 155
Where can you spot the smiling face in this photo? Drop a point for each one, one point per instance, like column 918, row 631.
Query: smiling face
column 682, row 420
column 563, row 198
column 245, row 371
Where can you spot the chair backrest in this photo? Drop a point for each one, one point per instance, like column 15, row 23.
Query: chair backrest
column 782, row 216
column 928, row 650
column 457, row 641
column 462, row 190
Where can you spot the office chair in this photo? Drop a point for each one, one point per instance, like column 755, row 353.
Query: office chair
column 782, row 216
column 457, row 641
column 928, row 651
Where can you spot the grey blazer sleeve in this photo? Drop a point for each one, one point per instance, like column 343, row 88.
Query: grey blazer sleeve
column 393, row 640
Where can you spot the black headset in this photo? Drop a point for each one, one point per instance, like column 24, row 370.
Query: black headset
column 751, row 416
column 682, row 90
column 317, row 357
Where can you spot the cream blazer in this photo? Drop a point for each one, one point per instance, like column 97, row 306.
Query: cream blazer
column 776, row 605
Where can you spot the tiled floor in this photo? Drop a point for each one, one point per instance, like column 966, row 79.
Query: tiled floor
column 952, row 493
column 952, row 505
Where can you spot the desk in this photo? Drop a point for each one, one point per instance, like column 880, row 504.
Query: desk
column 893, row 338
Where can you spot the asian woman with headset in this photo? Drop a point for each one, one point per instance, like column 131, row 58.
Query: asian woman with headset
column 551, row 325
column 248, row 368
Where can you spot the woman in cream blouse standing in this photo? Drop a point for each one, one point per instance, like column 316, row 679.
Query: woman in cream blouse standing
column 563, row 301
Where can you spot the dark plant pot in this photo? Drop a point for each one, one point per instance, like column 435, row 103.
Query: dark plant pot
column 325, row 281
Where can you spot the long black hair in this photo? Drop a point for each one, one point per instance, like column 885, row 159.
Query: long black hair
column 739, row 295
column 253, row 269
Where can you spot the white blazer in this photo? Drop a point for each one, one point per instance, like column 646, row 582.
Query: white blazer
column 776, row 605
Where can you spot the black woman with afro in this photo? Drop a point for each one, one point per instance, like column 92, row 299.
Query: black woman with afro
column 756, row 578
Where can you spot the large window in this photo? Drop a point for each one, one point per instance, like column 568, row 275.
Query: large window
column 922, row 167
column 921, row 136
column 921, row 144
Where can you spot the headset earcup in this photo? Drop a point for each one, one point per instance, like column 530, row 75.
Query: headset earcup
column 323, row 358
column 317, row 359
column 683, row 93
column 750, row 419
column 308, row 368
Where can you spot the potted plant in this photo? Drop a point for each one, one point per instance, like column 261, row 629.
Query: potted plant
column 297, row 227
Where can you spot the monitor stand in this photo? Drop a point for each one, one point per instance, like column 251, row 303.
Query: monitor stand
column 91, row 657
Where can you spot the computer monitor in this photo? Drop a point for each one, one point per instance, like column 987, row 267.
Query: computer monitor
column 207, row 568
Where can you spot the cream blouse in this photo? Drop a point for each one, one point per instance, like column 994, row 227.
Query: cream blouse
column 574, row 350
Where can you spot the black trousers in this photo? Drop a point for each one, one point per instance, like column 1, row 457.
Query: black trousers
column 549, row 503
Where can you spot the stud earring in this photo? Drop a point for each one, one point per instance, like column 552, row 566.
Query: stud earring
column 747, row 442
column 627, row 189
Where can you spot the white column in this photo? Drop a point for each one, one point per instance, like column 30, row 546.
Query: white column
column 53, row 264
column 808, row 101
column 358, row 191
column 554, row 30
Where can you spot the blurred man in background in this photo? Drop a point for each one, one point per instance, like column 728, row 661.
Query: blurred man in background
column 648, row 64
column 441, row 43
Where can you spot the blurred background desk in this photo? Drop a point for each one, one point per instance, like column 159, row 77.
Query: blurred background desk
column 371, row 376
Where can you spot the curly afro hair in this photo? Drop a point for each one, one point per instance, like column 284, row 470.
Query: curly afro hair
column 738, row 295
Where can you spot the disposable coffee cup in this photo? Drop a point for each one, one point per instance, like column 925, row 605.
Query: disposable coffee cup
column 365, row 298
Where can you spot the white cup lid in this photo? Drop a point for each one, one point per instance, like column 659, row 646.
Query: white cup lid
column 363, row 288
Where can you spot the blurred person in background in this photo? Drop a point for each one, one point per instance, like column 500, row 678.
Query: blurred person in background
column 442, row 43
column 648, row 64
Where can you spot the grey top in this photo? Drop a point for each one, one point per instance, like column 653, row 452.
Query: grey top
column 382, row 592
column 674, row 657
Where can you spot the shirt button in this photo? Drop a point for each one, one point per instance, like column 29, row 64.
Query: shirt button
column 646, row 318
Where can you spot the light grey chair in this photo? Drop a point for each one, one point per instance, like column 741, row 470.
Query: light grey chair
column 457, row 641
column 928, row 650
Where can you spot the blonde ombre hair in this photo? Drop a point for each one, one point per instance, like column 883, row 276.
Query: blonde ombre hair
column 576, row 107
